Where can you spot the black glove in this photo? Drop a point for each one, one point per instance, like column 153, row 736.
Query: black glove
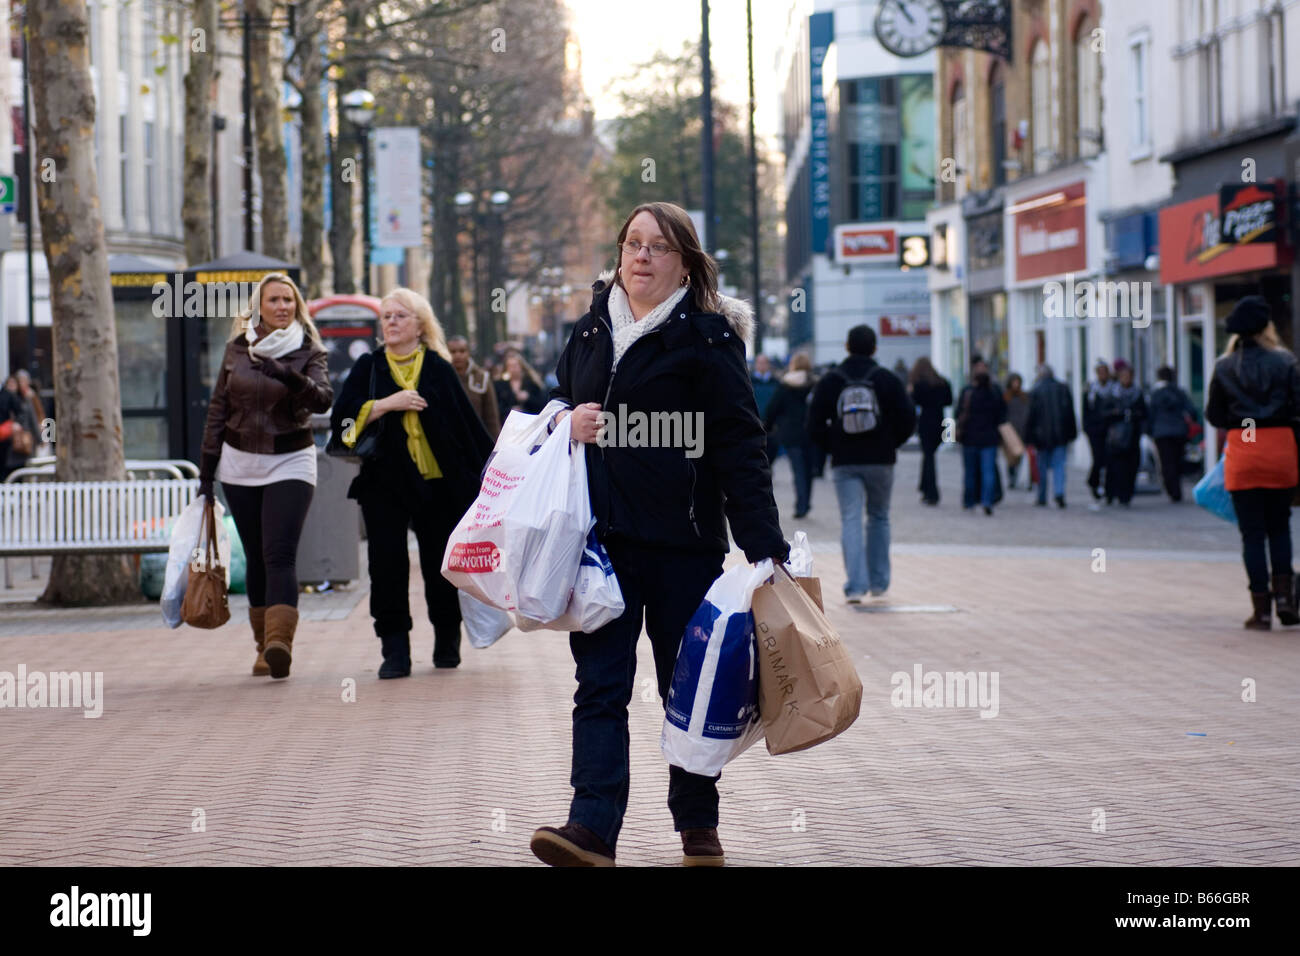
column 278, row 371
column 205, row 487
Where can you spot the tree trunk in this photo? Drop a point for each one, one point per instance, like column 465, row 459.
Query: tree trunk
column 313, row 161
column 88, row 442
column 269, row 133
column 196, row 206
column 346, row 169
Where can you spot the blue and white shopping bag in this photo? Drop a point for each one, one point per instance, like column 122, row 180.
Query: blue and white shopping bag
column 712, row 707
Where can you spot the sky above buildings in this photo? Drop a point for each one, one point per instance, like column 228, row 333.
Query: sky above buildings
column 614, row 36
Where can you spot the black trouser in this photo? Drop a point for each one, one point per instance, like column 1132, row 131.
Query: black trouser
column 667, row 588
column 269, row 519
column 1264, row 515
column 1121, row 474
column 1097, row 442
column 389, row 511
column 1171, row 465
column 929, row 487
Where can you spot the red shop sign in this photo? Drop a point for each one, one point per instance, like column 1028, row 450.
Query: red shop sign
column 1192, row 247
column 1051, row 233
column 904, row 325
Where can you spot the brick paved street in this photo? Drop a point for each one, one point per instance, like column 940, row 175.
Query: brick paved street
column 1102, row 679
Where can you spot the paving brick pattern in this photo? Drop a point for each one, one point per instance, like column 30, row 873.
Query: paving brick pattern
column 1102, row 676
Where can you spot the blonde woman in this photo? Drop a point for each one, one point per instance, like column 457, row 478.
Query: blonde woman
column 1254, row 396
column 258, row 444
column 423, row 473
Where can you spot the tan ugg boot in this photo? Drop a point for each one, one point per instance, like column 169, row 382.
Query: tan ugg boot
column 281, row 622
column 257, row 618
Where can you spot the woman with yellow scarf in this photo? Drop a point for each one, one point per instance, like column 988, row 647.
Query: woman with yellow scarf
column 421, row 471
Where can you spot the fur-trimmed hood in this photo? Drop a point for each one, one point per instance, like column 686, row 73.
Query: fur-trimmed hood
column 738, row 313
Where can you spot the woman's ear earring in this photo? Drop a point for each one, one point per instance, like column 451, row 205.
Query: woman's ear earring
column 686, row 278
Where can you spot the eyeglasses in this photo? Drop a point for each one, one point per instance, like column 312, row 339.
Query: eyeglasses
column 657, row 249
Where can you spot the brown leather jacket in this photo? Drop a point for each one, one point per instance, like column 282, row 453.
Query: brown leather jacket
column 478, row 385
column 256, row 412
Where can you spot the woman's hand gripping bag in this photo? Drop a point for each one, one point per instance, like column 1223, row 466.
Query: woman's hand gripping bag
column 712, row 707
column 518, row 546
column 184, row 549
column 596, row 597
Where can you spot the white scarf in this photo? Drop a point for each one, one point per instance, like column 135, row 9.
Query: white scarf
column 627, row 328
column 276, row 344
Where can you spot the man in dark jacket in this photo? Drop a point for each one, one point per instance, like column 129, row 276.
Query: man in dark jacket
column 861, row 414
column 1051, row 428
column 1172, row 412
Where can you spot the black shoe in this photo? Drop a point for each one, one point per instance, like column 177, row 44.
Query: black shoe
column 446, row 645
column 988, row 510
column 397, row 657
column 800, row 514
column 1040, row 503
column 1060, row 501
column 1096, row 493
column 570, row 845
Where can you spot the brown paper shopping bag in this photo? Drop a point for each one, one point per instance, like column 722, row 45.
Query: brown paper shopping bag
column 808, row 688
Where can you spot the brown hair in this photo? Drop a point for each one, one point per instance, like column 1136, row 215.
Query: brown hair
column 800, row 362
column 678, row 229
column 923, row 371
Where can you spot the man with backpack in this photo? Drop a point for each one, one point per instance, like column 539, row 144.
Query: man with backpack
column 860, row 414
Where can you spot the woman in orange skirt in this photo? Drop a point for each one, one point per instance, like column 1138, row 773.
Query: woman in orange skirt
column 1254, row 396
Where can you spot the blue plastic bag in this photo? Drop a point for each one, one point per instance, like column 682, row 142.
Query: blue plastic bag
column 1211, row 494
column 711, row 713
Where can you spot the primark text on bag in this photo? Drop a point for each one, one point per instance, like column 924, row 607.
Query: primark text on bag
column 809, row 690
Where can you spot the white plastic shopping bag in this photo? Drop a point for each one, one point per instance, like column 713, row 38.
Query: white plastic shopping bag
column 712, row 708
column 484, row 624
column 184, row 551
column 596, row 597
column 518, row 546
column 800, row 562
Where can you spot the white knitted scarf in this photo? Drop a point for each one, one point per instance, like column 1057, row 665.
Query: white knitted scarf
column 627, row 328
column 276, row 344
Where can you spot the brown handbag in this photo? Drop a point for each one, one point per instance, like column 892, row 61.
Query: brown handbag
column 205, row 604
column 24, row 442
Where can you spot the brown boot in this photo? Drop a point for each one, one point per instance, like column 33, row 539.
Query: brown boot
column 281, row 622
column 1284, row 595
column 1262, row 619
column 702, row 848
column 257, row 618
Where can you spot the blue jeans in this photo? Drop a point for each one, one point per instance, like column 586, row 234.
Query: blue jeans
column 801, row 465
column 1051, row 459
column 665, row 588
column 857, row 486
column 982, row 462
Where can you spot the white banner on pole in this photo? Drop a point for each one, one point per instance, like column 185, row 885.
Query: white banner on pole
column 397, row 187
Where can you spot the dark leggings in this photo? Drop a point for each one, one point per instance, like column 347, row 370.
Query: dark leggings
column 269, row 519
column 1264, row 515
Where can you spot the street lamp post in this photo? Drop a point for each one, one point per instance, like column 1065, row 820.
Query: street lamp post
column 476, row 208
column 359, row 106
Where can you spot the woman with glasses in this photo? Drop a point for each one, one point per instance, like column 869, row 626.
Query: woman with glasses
column 658, row 338
column 423, row 473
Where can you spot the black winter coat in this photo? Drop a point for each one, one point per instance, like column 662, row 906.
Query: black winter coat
column 1254, row 382
column 787, row 413
column 897, row 414
column 453, row 429
column 1051, row 422
column 1125, row 415
column 1170, row 407
column 979, row 413
column 932, row 399
column 692, row 364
